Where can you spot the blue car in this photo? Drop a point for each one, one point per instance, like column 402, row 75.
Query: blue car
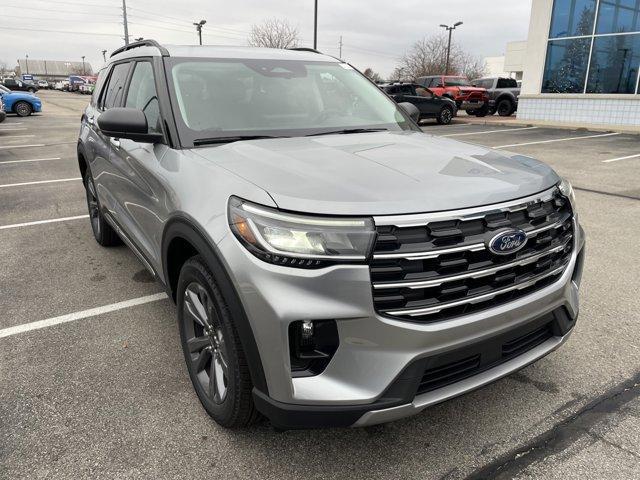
column 20, row 103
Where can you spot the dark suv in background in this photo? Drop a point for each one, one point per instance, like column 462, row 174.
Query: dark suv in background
column 428, row 103
column 458, row 89
column 18, row 85
column 503, row 94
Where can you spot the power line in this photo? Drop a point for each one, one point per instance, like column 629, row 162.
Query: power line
column 67, row 12
column 59, row 31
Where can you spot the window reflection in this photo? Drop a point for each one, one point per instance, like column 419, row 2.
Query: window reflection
column 566, row 67
column 614, row 64
column 617, row 16
column 572, row 18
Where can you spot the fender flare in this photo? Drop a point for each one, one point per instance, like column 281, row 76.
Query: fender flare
column 182, row 226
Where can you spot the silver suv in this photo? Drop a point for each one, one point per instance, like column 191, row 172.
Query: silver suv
column 332, row 265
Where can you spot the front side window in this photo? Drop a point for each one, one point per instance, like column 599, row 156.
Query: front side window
column 142, row 95
column 572, row 18
column 112, row 96
column 230, row 97
column 566, row 66
column 614, row 64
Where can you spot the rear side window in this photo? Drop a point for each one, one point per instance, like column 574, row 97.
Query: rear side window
column 112, row 96
column 507, row 83
column 142, row 95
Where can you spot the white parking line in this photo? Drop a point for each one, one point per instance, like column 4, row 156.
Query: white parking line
column 621, row 158
column 12, row 129
column 42, row 222
column 23, row 146
column 558, row 140
column 30, row 160
column 16, row 136
column 71, row 317
column 39, row 182
column 490, row 131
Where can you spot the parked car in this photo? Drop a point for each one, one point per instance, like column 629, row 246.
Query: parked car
column 43, row 84
column 503, row 94
column 332, row 264
column 18, row 85
column 428, row 104
column 20, row 103
column 3, row 114
column 460, row 90
column 86, row 88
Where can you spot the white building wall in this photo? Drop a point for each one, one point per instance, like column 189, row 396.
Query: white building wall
column 514, row 58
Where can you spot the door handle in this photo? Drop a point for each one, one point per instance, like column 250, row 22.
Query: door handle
column 115, row 142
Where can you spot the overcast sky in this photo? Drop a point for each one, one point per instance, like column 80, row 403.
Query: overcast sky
column 375, row 33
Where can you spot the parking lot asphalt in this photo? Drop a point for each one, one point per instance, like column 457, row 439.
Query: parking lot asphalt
column 105, row 393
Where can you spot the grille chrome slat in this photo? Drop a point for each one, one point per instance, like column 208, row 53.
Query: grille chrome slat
column 436, row 266
column 477, row 298
column 473, row 274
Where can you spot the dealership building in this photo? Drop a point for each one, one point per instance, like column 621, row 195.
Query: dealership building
column 582, row 63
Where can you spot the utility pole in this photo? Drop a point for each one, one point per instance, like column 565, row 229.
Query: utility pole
column 104, row 56
column 340, row 56
column 199, row 29
column 315, row 26
column 450, row 30
column 126, row 23
column 84, row 72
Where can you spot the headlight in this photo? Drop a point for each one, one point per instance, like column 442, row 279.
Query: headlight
column 300, row 240
column 567, row 191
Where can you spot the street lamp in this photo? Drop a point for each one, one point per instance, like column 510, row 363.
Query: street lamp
column 104, row 56
column 450, row 30
column 26, row 57
column 83, row 70
column 199, row 29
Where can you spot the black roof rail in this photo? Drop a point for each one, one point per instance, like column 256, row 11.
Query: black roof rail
column 141, row 43
column 305, row 49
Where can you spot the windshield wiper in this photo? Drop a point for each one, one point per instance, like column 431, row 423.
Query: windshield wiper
column 237, row 138
column 347, row 131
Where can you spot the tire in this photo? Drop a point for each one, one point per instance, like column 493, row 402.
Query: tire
column 492, row 110
column 471, row 112
column 482, row 111
column 505, row 107
column 31, row 90
column 23, row 109
column 212, row 350
column 445, row 116
column 102, row 231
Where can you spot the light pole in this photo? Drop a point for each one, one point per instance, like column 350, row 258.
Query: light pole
column 450, row 30
column 104, row 56
column 26, row 61
column 199, row 29
column 315, row 25
column 84, row 72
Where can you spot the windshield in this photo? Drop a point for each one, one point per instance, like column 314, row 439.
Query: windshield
column 456, row 82
column 216, row 98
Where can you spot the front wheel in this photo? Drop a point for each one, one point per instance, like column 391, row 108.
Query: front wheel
column 445, row 116
column 212, row 350
column 102, row 231
column 23, row 109
column 505, row 108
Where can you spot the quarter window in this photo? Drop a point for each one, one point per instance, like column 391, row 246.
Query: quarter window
column 142, row 95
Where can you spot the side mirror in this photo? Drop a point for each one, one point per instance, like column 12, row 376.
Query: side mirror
column 127, row 123
column 411, row 110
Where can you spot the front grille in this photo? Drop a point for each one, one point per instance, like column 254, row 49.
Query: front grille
column 438, row 266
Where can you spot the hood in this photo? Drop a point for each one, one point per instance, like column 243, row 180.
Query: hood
column 380, row 173
column 13, row 96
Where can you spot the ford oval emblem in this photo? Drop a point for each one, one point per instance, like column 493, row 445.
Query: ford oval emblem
column 508, row 242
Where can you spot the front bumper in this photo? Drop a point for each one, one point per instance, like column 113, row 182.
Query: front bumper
column 470, row 104
column 374, row 374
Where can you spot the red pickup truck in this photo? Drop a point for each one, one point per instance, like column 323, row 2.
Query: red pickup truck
column 472, row 99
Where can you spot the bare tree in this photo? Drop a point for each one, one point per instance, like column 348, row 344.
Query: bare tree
column 374, row 76
column 429, row 57
column 274, row 33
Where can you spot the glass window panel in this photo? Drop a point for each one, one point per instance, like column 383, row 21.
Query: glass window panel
column 614, row 64
column 616, row 16
column 572, row 18
column 566, row 66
